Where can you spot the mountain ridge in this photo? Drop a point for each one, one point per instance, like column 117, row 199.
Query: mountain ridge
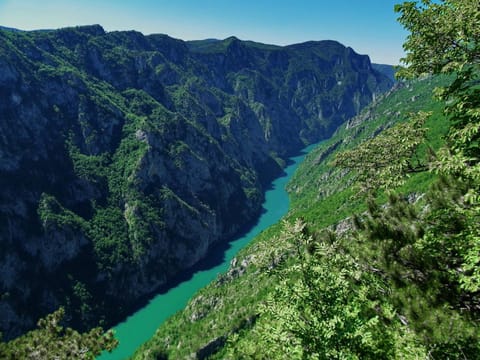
column 122, row 153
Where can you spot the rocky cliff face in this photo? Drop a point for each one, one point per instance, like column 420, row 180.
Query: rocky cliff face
column 123, row 157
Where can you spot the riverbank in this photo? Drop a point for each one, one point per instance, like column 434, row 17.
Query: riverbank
column 140, row 326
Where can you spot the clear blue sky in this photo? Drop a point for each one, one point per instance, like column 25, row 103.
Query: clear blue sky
column 368, row 26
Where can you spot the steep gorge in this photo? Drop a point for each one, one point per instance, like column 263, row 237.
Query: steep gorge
column 123, row 157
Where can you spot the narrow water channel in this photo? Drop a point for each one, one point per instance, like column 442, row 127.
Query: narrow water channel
column 140, row 326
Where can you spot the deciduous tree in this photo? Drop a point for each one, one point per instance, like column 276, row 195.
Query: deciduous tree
column 53, row 341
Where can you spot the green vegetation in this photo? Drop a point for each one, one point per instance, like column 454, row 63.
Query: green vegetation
column 125, row 155
column 379, row 256
column 389, row 272
column 238, row 303
column 52, row 215
column 52, row 341
column 386, row 170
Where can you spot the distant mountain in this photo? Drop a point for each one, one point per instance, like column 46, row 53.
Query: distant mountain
column 124, row 157
column 388, row 70
column 215, row 45
column 8, row 28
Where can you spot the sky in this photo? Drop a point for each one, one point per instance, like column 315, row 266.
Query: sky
column 368, row 26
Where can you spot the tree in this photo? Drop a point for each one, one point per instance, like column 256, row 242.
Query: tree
column 430, row 251
column 444, row 35
column 324, row 306
column 52, row 341
column 384, row 161
column 445, row 39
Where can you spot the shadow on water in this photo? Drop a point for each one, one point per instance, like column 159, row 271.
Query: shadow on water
column 216, row 255
column 153, row 311
column 217, row 251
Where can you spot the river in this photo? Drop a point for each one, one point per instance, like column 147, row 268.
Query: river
column 140, row 326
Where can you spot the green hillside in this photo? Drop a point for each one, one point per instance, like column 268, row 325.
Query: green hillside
column 122, row 156
column 379, row 255
column 224, row 319
column 317, row 180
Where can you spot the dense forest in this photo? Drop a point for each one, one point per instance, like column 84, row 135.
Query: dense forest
column 379, row 257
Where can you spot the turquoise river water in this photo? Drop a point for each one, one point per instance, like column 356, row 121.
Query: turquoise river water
column 140, row 326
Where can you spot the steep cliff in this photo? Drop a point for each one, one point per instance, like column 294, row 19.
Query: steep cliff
column 123, row 157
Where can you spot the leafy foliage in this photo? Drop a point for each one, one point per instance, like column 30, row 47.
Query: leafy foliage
column 52, row 341
column 443, row 35
column 376, row 168
column 53, row 214
column 457, row 51
column 325, row 306
column 432, row 255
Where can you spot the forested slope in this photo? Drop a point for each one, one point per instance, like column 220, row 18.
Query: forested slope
column 225, row 320
column 380, row 255
column 123, row 155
